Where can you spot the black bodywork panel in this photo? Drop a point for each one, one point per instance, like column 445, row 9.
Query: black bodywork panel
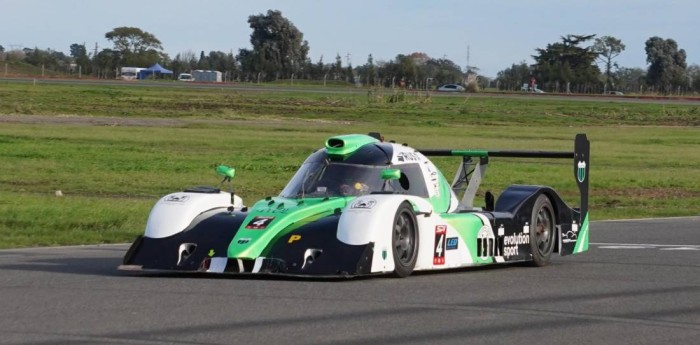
column 314, row 250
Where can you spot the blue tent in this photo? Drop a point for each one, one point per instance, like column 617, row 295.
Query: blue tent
column 153, row 70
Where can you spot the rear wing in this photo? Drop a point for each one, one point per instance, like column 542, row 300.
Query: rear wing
column 474, row 163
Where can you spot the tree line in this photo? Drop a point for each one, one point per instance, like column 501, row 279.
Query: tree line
column 279, row 51
column 572, row 66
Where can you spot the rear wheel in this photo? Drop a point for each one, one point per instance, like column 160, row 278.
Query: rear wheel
column 404, row 240
column 542, row 230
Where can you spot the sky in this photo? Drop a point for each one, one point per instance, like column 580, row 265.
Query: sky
column 488, row 34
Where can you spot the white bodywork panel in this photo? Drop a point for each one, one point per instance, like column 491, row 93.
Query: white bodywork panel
column 174, row 212
column 407, row 155
column 370, row 218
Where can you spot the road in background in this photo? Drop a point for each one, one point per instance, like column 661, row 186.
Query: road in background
column 638, row 284
column 344, row 90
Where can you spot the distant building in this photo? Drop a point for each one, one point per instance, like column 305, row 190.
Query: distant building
column 207, row 76
column 130, row 73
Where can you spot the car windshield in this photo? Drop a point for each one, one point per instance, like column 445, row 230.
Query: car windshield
column 327, row 179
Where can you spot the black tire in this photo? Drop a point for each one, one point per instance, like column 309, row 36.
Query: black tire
column 404, row 240
column 542, row 231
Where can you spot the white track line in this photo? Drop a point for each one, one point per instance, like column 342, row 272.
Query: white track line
column 646, row 244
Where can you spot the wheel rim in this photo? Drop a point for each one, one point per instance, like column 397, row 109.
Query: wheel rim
column 544, row 231
column 404, row 238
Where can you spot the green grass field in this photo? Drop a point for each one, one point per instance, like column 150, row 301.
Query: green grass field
column 114, row 150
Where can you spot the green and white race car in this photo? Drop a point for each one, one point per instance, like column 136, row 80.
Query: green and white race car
column 362, row 206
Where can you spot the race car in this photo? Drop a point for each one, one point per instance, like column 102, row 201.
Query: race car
column 364, row 206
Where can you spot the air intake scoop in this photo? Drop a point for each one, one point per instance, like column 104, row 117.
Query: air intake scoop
column 344, row 145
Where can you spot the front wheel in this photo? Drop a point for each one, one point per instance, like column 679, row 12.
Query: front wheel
column 404, row 240
column 542, row 230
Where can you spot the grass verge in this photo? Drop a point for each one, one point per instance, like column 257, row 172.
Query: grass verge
column 112, row 151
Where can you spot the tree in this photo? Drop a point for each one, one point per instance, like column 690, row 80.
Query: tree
column 318, row 70
column 568, row 63
column 349, row 75
column 666, row 64
column 608, row 48
column 279, row 47
column 107, row 62
column 137, row 47
column 203, row 62
column 338, row 67
column 514, row 77
column 49, row 59
column 80, row 56
column 2, row 49
column 694, row 77
column 371, row 72
column 443, row 71
column 630, row 79
column 223, row 62
column 417, row 70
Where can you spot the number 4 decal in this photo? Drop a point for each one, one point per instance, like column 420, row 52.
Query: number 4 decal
column 440, row 238
column 259, row 223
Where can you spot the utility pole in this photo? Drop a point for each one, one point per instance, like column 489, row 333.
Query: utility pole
column 468, row 66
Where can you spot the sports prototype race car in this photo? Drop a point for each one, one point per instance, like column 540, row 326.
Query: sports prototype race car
column 363, row 206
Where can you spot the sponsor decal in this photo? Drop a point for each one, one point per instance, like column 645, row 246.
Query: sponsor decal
column 384, row 253
column 571, row 235
column 407, row 157
column 363, row 204
column 486, row 243
column 440, row 239
column 279, row 209
column 293, row 238
column 259, row 223
column 244, row 240
column 511, row 243
column 177, row 198
column 581, row 171
column 211, row 252
column 434, row 183
column 452, row 243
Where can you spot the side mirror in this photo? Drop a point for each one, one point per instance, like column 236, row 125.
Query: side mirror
column 227, row 172
column 391, row 174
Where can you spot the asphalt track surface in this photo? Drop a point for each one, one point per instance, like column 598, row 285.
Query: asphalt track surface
column 638, row 284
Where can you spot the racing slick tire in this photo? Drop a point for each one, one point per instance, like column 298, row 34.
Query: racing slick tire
column 404, row 240
column 542, row 231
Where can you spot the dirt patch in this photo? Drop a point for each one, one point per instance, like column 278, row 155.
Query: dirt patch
column 91, row 121
column 147, row 122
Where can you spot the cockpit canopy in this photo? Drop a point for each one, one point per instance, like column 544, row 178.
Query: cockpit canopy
column 324, row 175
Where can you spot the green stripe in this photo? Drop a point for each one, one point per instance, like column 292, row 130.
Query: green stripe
column 582, row 241
column 287, row 214
column 467, row 226
column 470, row 153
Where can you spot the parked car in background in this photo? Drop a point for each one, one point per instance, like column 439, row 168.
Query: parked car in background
column 451, row 88
column 185, row 77
column 615, row 93
column 528, row 88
